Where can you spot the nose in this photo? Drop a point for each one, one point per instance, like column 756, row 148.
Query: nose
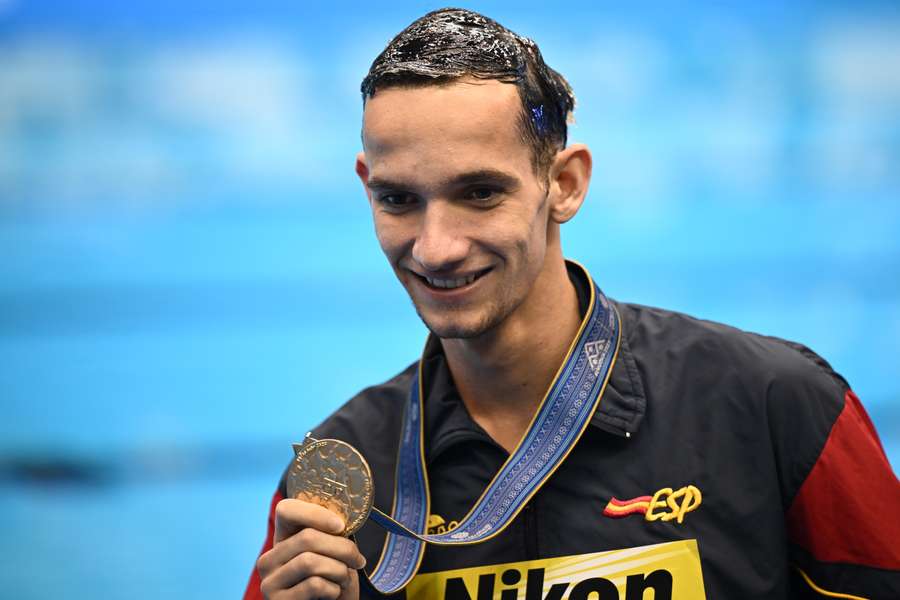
column 440, row 244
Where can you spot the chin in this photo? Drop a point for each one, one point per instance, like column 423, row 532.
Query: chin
column 456, row 326
column 453, row 332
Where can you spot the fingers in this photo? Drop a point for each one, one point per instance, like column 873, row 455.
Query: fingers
column 316, row 587
column 293, row 515
column 311, row 540
column 309, row 559
column 306, row 566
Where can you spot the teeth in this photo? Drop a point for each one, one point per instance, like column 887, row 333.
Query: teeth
column 450, row 283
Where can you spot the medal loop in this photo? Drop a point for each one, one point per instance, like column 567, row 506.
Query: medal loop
column 560, row 420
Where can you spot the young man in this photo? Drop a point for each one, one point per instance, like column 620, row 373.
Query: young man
column 696, row 460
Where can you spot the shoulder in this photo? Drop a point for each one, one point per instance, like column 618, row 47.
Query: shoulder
column 371, row 415
column 371, row 422
column 755, row 387
column 746, row 383
column 701, row 351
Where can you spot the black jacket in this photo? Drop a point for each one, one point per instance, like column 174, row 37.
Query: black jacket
column 794, row 495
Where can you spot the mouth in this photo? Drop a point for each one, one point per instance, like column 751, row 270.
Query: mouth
column 451, row 282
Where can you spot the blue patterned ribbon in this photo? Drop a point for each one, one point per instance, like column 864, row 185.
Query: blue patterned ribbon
column 559, row 422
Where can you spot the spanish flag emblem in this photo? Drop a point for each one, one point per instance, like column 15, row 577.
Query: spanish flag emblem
column 665, row 505
column 622, row 508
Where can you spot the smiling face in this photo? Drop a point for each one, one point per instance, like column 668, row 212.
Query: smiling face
column 458, row 209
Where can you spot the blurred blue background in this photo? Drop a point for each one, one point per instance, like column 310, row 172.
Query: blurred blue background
column 189, row 280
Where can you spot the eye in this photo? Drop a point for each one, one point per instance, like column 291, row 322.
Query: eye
column 396, row 202
column 483, row 195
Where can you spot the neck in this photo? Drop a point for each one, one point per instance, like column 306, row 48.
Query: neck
column 503, row 375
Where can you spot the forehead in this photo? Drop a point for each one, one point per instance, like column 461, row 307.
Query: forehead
column 468, row 124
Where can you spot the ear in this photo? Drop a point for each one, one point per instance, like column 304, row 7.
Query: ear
column 362, row 171
column 570, row 175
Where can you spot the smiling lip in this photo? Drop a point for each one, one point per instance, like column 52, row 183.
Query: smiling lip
column 450, row 283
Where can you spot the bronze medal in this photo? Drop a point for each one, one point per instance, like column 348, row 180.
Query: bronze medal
column 333, row 474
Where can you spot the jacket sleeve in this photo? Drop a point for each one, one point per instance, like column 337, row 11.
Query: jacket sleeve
column 842, row 524
column 253, row 592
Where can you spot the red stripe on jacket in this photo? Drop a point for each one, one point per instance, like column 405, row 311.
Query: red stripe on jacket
column 846, row 509
column 253, row 592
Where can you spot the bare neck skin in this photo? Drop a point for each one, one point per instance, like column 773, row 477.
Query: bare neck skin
column 503, row 375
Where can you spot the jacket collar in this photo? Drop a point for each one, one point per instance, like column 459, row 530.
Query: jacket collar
column 447, row 421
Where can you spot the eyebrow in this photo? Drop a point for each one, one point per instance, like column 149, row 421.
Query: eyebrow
column 489, row 176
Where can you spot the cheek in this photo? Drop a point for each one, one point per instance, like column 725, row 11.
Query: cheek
column 531, row 244
column 392, row 237
column 520, row 234
column 533, row 240
column 533, row 250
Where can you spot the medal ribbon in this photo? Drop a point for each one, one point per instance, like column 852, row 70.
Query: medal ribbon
column 562, row 417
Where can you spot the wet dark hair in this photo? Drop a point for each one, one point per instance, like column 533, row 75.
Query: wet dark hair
column 451, row 43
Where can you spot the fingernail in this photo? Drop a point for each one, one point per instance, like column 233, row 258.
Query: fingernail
column 337, row 525
column 362, row 562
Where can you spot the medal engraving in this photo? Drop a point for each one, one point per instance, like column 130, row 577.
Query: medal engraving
column 333, row 474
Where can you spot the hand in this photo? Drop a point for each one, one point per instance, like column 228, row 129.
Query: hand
column 309, row 559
